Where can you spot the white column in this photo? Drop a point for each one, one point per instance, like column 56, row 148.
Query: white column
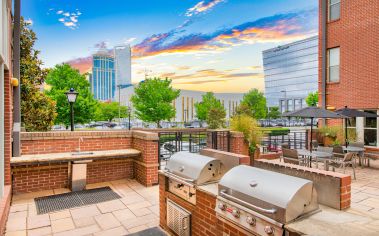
column 360, row 129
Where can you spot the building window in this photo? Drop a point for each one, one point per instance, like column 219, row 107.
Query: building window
column 352, row 129
column 370, row 130
column 334, row 9
column 334, row 64
column 283, row 107
column 290, row 105
column 298, row 104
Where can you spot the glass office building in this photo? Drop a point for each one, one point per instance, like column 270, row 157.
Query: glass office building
column 291, row 73
column 103, row 80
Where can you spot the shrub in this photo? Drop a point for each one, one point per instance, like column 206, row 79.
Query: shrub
column 250, row 129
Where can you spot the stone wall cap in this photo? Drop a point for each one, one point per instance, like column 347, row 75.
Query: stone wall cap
column 75, row 134
column 68, row 156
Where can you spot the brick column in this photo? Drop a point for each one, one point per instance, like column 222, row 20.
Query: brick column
column 238, row 143
column 146, row 166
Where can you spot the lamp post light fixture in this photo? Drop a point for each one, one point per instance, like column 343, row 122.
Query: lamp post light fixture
column 71, row 98
column 129, row 113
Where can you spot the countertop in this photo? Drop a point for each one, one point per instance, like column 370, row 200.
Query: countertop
column 70, row 156
column 337, row 223
column 211, row 189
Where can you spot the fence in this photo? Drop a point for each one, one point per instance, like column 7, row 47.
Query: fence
column 294, row 139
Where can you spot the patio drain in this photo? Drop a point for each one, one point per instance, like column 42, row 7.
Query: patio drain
column 74, row 199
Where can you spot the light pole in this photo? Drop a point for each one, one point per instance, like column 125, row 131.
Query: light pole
column 119, row 104
column 129, row 113
column 71, row 98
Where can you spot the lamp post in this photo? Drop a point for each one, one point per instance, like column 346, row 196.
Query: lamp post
column 129, row 113
column 71, row 98
column 119, row 104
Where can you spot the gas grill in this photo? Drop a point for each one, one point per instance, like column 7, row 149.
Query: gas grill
column 262, row 201
column 185, row 171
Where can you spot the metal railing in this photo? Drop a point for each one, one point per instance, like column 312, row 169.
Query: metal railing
column 294, row 140
column 219, row 140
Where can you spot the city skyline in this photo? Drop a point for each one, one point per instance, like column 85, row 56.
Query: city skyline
column 210, row 45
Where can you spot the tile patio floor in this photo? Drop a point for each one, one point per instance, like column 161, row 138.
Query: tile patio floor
column 137, row 210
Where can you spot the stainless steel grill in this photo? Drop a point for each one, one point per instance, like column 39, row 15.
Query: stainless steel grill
column 262, row 201
column 187, row 170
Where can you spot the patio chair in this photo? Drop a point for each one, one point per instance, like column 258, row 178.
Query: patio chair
column 338, row 152
column 291, row 156
column 314, row 145
column 362, row 156
column 349, row 159
column 285, row 146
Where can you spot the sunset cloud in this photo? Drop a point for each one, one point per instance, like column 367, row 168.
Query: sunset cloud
column 277, row 28
column 202, row 6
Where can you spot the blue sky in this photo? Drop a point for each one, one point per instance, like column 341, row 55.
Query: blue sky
column 209, row 45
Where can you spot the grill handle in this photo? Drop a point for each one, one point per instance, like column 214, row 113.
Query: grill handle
column 180, row 179
column 257, row 208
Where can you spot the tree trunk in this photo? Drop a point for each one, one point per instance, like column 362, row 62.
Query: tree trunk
column 158, row 124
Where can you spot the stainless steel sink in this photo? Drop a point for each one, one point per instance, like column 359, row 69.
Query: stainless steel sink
column 81, row 153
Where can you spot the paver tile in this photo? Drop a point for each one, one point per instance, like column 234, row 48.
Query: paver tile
column 154, row 209
column 124, row 214
column 18, row 214
column 141, row 211
column 62, row 225
column 61, row 190
column 138, row 221
column 18, row 207
column 107, row 221
column 84, row 212
column 88, row 230
column 60, row 215
column 16, row 233
column 139, row 205
column 40, row 231
column 113, row 232
column 85, row 221
column 38, row 221
column 16, row 224
column 137, row 229
column 131, row 198
column 110, row 206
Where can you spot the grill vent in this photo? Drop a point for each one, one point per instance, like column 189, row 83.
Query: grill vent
column 178, row 219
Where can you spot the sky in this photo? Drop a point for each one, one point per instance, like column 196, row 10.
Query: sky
column 204, row 45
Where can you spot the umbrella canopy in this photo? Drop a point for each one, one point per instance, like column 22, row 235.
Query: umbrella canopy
column 349, row 112
column 313, row 112
column 352, row 113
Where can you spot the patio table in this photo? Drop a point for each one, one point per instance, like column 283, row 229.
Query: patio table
column 325, row 156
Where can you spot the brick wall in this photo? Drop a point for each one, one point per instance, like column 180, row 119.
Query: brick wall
column 238, row 143
column 109, row 170
column 356, row 34
column 58, row 142
column 204, row 221
column 36, row 177
column 32, row 178
column 333, row 189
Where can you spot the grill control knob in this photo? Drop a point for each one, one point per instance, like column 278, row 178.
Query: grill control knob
column 251, row 221
column 269, row 229
column 222, row 206
column 236, row 213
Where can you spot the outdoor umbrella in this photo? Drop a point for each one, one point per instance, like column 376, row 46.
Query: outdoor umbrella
column 352, row 113
column 312, row 113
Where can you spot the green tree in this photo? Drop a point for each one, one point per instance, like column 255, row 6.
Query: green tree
column 244, row 109
column 153, row 99
column 208, row 102
column 312, row 99
column 110, row 110
column 60, row 79
column 257, row 103
column 273, row 113
column 37, row 110
column 216, row 118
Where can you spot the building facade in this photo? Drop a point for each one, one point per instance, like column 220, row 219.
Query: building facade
column 103, row 79
column 349, row 61
column 185, row 103
column 6, row 67
column 123, row 65
column 291, row 73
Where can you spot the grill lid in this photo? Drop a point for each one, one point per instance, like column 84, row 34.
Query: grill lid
column 278, row 196
column 195, row 168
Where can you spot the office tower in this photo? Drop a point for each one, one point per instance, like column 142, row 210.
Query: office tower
column 103, row 78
